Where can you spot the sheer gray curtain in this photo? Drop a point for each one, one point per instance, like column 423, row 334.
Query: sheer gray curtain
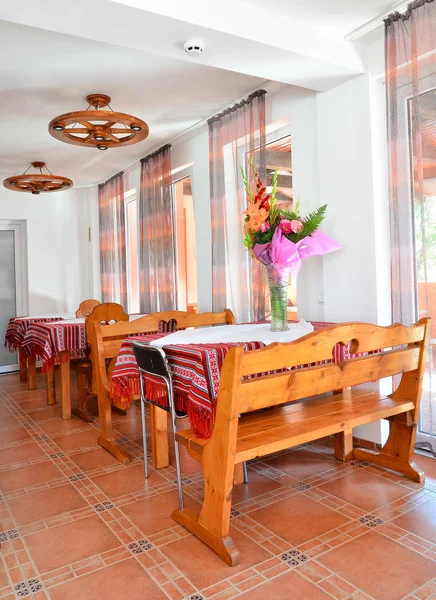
column 157, row 258
column 411, row 98
column 112, row 240
column 235, row 135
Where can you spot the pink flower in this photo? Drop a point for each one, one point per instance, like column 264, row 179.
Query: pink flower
column 296, row 226
column 286, row 226
column 265, row 226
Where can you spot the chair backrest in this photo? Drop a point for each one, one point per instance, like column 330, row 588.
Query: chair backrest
column 86, row 307
column 383, row 352
column 107, row 312
column 150, row 359
column 106, row 340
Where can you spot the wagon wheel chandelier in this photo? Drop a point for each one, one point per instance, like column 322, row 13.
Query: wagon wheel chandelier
column 37, row 183
column 98, row 128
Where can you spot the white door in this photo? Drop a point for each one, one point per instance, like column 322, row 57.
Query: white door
column 14, row 296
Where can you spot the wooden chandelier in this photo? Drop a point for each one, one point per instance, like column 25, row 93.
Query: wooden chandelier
column 37, row 183
column 98, row 128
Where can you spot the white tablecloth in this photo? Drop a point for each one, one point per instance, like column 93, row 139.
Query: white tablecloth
column 251, row 332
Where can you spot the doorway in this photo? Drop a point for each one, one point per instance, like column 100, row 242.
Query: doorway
column 14, row 293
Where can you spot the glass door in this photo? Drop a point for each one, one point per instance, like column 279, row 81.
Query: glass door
column 13, row 283
column 423, row 119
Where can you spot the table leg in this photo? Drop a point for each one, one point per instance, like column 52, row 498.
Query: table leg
column 23, row 365
column 51, row 386
column 159, row 437
column 31, row 383
column 65, row 377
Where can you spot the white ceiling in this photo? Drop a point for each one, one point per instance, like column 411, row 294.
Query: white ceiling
column 44, row 74
column 339, row 16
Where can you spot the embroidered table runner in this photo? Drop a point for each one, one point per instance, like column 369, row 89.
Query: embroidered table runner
column 195, row 369
column 18, row 327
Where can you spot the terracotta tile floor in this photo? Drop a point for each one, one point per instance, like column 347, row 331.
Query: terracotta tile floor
column 78, row 525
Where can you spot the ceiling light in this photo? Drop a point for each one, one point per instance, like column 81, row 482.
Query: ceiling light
column 35, row 183
column 90, row 127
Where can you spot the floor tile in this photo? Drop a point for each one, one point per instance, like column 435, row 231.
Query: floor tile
column 60, row 426
column 18, row 454
column 379, row 566
column 30, row 475
column 14, row 435
column 257, row 485
column 51, row 412
column 303, row 464
column 123, row 580
column 46, row 504
column 58, row 546
column 94, row 459
column 203, row 567
column 298, row 519
column 127, row 480
column 428, row 465
column 78, row 440
column 9, row 423
column 365, row 490
column 289, row 586
column 421, row 521
column 152, row 515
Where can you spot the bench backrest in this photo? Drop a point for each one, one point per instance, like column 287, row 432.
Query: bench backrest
column 106, row 340
column 386, row 351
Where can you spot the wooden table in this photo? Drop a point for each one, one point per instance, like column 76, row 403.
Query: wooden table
column 57, row 343
column 15, row 334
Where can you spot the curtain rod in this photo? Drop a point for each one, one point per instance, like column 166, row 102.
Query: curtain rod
column 370, row 25
column 193, row 127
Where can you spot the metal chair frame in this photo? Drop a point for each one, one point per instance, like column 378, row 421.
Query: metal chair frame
column 167, row 379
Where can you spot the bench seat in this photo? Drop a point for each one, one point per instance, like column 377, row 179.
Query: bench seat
column 268, row 431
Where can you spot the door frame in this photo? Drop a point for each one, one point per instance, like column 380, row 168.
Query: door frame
column 19, row 227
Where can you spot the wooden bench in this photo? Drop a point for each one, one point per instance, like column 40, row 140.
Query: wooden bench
column 309, row 413
column 105, row 343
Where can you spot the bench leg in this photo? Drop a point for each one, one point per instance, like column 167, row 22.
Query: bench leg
column 107, row 438
column 397, row 453
column 82, row 397
column 344, row 445
column 212, row 526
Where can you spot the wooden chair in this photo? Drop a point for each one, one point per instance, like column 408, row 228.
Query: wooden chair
column 106, row 312
column 305, row 417
column 85, row 308
column 105, row 343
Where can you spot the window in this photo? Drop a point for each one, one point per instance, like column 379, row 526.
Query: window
column 185, row 246
column 131, row 217
column 279, row 156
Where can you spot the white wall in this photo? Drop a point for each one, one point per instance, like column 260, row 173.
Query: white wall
column 299, row 107
column 60, row 272
column 353, row 182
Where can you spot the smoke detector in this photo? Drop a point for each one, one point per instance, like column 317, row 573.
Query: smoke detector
column 193, row 47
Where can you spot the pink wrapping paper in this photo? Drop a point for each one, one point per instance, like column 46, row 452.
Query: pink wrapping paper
column 283, row 253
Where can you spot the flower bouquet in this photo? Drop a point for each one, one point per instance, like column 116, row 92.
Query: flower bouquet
column 281, row 239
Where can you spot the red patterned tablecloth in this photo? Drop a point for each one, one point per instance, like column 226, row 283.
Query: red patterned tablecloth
column 18, row 327
column 195, row 370
column 46, row 341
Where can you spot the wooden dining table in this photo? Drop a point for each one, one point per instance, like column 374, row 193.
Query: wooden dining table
column 57, row 343
column 14, row 337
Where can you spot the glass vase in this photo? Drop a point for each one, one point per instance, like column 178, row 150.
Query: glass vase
column 278, row 286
